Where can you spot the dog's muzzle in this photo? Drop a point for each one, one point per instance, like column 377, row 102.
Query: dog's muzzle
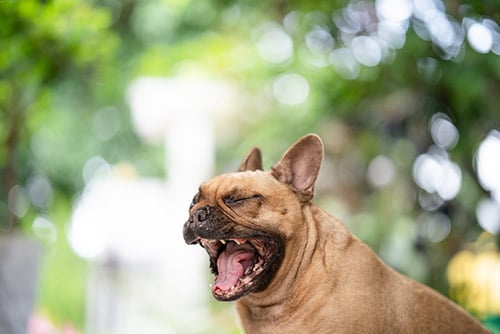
column 197, row 224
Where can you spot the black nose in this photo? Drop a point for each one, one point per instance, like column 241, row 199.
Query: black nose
column 188, row 232
column 197, row 224
column 202, row 214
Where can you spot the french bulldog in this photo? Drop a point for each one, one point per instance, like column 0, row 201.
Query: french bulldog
column 293, row 268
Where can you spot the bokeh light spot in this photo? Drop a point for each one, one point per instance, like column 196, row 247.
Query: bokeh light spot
column 429, row 202
column 488, row 215
column 95, row 167
column 437, row 174
column 426, row 9
column 488, row 162
column 44, row 229
column 40, row 191
column 442, row 30
column 366, row 50
column 291, row 89
column 480, row 38
column 381, row 171
column 18, row 201
column 106, row 123
column 344, row 63
column 394, row 10
column 391, row 33
column 434, row 227
column 275, row 45
column 443, row 132
column 319, row 41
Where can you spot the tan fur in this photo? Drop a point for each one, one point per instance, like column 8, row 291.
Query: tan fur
column 335, row 284
column 329, row 281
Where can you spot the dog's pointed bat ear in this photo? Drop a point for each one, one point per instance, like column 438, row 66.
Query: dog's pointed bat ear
column 299, row 166
column 252, row 162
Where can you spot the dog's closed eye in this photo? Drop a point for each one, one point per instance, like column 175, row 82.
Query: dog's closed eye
column 232, row 200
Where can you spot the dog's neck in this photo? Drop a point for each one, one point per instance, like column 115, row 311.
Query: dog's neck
column 299, row 268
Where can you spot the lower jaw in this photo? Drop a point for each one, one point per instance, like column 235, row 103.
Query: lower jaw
column 231, row 295
column 228, row 296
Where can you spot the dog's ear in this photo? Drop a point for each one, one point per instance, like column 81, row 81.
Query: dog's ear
column 299, row 166
column 252, row 162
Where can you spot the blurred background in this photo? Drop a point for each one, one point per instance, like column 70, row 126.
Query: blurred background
column 112, row 112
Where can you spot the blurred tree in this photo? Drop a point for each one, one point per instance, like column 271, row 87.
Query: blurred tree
column 43, row 44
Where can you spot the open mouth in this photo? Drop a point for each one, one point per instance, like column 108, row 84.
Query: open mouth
column 242, row 265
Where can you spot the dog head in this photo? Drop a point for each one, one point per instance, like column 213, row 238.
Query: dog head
column 244, row 220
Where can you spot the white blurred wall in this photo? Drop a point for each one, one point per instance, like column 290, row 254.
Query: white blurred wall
column 144, row 278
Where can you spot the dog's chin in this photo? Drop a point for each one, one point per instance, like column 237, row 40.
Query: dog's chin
column 242, row 265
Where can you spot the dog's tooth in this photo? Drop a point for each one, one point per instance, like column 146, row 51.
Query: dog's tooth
column 223, row 241
column 239, row 241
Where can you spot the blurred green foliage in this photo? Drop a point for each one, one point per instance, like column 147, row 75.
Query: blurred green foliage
column 64, row 70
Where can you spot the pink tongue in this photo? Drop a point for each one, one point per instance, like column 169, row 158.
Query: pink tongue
column 231, row 265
